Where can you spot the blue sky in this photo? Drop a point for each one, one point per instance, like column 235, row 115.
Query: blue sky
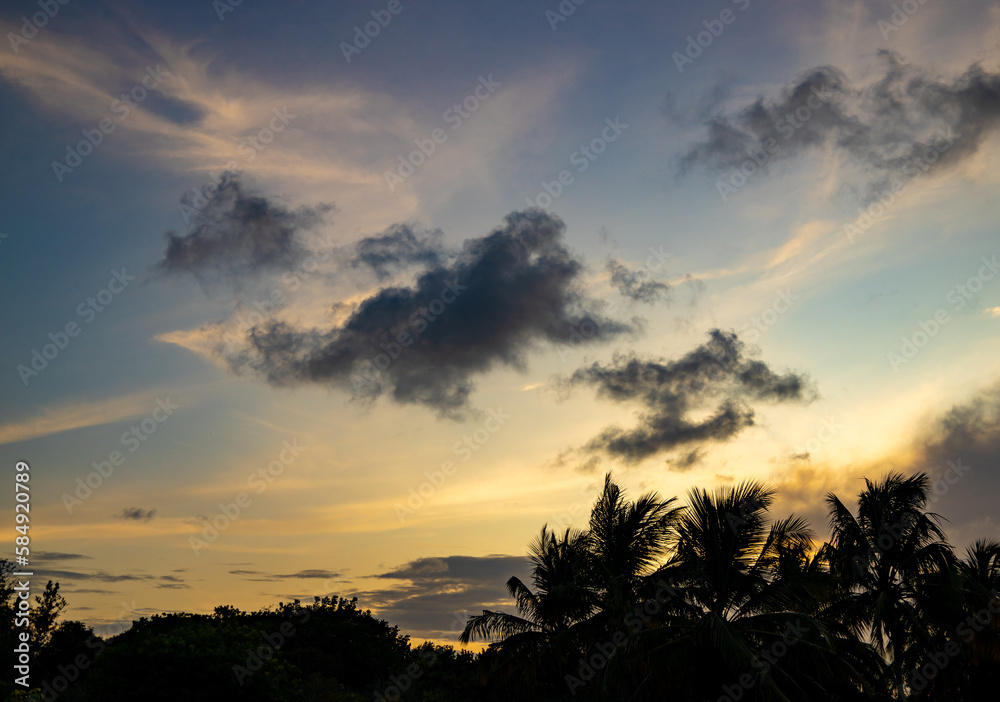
column 264, row 100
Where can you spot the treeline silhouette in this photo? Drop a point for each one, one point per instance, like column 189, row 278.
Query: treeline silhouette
column 710, row 600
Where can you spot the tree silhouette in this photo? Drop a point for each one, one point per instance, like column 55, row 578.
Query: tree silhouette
column 881, row 558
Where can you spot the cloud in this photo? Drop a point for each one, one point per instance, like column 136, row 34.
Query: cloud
column 670, row 392
column 686, row 461
column 635, row 284
column 397, row 248
column 103, row 577
column 961, row 452
column 57, row 556
column 959, row 449
column 55, row 420
column 137, row 514
column 501, row 296
column 172, row 582
column 309, row 574
column 237, row 234
column 903, row 123
column 441, row 592
column 455, row 568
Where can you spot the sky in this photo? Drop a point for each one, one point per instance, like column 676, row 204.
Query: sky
column 353, row 298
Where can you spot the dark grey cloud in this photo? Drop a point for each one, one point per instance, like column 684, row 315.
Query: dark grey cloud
column 730, row 137
column 440, row 593
column 960, row 450
column 503, row 295
column 716, row 373
column 172, row 582
column 57, row 556
column 178, row 111
column 456, row 569
column 137, row 514
column 636, row 285
column 100, row 576
column 903, row 123
column 309, row 574
column 686, row 461
column 237, row 233
column 397, row 248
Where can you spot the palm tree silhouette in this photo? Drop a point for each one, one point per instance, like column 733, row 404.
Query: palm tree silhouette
column 743, row 582
column 884, row 558
column 561, row 597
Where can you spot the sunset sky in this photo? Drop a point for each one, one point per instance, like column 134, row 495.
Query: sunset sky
column 396, row 283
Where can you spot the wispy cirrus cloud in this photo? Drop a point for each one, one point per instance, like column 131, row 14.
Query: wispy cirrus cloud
column 77, row 415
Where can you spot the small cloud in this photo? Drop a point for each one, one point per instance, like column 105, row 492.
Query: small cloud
column 308, row 574
column 636, row 285
column 686, row 461
column 57, row 556
column 396, row 248
column 137, row 514
column 240, row 234
column 993, row 312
